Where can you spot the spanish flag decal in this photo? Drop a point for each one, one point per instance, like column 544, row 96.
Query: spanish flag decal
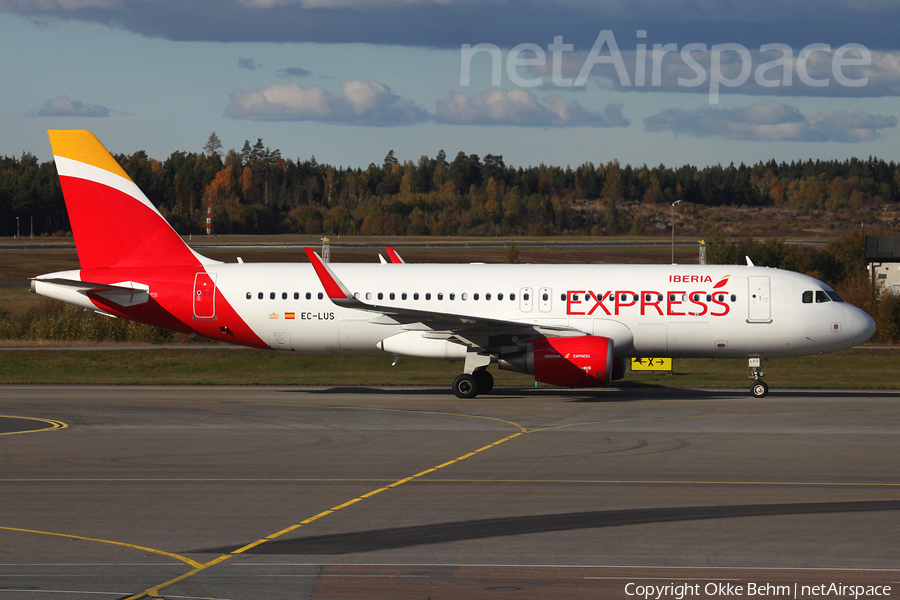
column 288, row 315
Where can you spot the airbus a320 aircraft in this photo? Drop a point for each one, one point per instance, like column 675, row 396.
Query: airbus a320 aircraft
column 568, row 325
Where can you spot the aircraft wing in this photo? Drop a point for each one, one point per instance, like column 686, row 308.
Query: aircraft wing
column 475, row 331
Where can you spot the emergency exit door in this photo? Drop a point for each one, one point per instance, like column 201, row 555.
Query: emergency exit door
column 205, row 296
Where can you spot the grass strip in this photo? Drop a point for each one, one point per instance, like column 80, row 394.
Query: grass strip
column 860, row 368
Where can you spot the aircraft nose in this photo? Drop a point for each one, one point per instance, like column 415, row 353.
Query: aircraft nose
column 863, row 326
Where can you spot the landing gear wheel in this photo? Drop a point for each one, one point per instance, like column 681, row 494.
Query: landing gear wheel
column 484, row 380
column 465, row 386
column 759, row 389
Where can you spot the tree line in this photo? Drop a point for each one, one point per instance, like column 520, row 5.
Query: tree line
column 257, row 191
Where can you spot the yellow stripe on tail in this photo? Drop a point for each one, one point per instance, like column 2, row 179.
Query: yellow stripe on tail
column 84, row 147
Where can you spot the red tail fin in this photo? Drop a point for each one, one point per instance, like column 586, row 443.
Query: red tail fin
column 113, row 222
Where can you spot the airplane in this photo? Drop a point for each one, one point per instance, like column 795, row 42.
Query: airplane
column 573, row 326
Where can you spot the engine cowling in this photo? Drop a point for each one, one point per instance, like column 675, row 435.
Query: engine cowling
column 574, row 362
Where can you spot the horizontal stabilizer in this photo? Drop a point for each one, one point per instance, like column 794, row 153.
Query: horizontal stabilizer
column 127, row 293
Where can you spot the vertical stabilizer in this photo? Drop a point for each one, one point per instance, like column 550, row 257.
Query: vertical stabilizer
column 113, row 222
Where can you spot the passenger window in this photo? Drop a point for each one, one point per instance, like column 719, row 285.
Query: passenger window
column 271, row 295
column 416, row 296
column 807, row 297
column 308, row 296
column 440, row 296
column 428, row 295
column 546, row 297
column 296, row 295
column 487, row 296
column 320, row 295
column 284, row 295
column 453, row 295
column 512, row 296
column 260, row 295
column 391, row 295
column 249, row 295
column 463, row 296
column 368, row 295
column 381, row 295
column 574, row 297
column 562, row 297
column 822, row 297
column 734, row 297
column 500, row 296
column 525, row 296
column 475, row 296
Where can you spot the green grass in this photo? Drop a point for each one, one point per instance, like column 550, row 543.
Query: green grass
column 867, row 369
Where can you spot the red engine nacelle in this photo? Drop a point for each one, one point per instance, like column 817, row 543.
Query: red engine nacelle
column 574, row 362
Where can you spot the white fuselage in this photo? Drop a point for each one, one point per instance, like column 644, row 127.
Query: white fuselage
column 669, row 310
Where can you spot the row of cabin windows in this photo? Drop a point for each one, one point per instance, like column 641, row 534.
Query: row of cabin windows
column 440, row 296
column 526, row 296
column 654, row 297
column 284, row 295
column 392, row 296
column 820, row 296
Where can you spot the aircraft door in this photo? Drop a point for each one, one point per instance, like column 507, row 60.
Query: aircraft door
column 760, row 308
column 545, row 298
column 526, row 299
column 205, row 296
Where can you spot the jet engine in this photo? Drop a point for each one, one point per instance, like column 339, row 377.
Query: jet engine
column 574, row 362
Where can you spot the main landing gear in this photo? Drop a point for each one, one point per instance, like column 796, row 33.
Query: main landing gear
column 759, row 388
column 469, row 386
column 476, row 379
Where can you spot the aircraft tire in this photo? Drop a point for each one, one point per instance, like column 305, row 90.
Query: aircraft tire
column 484, row 380
column 465, row 386
column 759, row 389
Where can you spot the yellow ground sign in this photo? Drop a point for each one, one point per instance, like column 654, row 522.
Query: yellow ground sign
column 651, row 364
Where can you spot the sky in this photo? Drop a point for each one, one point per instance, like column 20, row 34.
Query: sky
column 558, row 82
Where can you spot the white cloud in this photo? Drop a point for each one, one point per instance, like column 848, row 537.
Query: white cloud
column 770, row 122
column 359, row 103
column 61, row 106
column 520, row 107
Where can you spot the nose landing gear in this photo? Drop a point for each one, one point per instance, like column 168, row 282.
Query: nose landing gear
column 759, row 388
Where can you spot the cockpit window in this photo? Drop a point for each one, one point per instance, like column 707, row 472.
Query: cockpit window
column 834, row 296
column 821, row 296
column 807, row 297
